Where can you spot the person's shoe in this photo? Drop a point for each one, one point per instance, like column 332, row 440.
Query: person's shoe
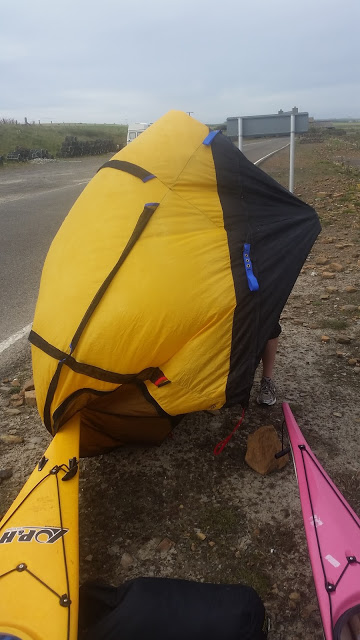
column 267, row 392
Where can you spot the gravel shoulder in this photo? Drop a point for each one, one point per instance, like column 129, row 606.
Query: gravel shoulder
column 142, row 510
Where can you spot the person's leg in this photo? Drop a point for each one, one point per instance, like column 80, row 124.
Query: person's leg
column 267, row 388
column 268, row 357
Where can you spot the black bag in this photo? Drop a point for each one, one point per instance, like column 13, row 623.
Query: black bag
column 167, row 609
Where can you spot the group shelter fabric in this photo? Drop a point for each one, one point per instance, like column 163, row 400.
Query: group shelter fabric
column 163, row 285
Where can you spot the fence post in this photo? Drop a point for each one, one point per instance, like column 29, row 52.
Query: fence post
column 292, row 152
column 240, row 133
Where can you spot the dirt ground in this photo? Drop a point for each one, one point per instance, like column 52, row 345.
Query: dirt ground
column 135, row 498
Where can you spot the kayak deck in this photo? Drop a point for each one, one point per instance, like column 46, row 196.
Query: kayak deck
column 39, row 564
column 332, row 530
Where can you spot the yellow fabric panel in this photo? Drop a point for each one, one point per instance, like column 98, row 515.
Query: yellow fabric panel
column 162, row 296
column 86, row 248
column 197, row 185
column 194, row 386
column 165, row 148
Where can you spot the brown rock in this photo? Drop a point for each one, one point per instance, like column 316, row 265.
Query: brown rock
column 30, row 398
column 349, row 307
column 12, row 412
column 17, row 403
column 340, row 354
column 126, row 560
column 331, row 289
column 308, row 610
column 328, row 240
column 335, row 266
column 261, row 448
column 343, row 339
column 328, row 275
column 16, row 396
column 11, row 439
column 212, row 543
column 325, row 339
column 321, row 260
column 324, row 296
column 350, row 289
column 28, row 385
column 5, row 474
column 356, row 369
column 295, row 596
column 15, row 383
column 201, row 535
column 352, row 361
column 165, row 545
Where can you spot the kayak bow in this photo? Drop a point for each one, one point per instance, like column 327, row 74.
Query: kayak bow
column 39, row 566
column 333, row 536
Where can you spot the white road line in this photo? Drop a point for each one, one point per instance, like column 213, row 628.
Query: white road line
column 14, row 338
column 15, row 197
column 271, row 154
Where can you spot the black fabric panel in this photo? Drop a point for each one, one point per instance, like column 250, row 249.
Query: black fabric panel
column 128, row 167
column 166, row 609
column 281, row 230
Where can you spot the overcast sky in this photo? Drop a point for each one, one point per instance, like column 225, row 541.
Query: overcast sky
column 123, row 61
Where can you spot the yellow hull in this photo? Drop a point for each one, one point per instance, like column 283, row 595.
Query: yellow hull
column 39, row 547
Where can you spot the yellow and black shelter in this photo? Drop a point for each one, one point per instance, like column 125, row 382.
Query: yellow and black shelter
column 163, row 285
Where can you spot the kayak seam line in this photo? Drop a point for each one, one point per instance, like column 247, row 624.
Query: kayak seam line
column 65, row 561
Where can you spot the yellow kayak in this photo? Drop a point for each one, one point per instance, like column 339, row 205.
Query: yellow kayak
column 39, row 556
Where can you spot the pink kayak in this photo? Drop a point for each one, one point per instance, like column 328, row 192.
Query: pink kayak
column 333, row 535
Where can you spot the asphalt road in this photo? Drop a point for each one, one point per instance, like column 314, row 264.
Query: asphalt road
column 34, row 200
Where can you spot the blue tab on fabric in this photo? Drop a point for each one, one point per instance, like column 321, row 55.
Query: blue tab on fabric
column 252, row 281
column 152, row 204
column 210, row 137
column 147, row 178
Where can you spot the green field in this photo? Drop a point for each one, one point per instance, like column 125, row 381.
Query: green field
column 50, row 136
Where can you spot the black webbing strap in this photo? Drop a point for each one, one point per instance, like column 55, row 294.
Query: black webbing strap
column 129, row 167
column 151, row 373
column 94, row 372
column 139, row 228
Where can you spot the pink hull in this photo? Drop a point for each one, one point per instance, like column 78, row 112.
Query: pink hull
column 332, row 530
